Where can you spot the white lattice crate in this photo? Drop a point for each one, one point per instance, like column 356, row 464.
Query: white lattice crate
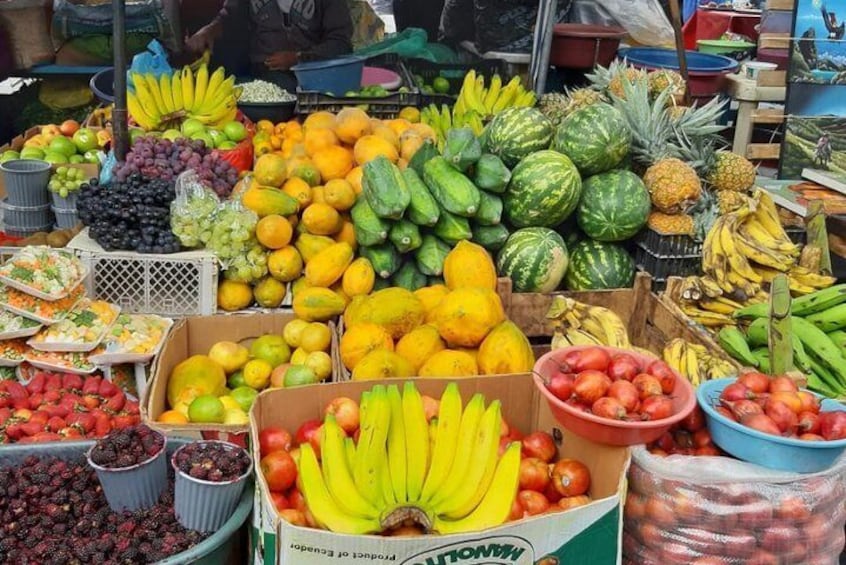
column 175, row 285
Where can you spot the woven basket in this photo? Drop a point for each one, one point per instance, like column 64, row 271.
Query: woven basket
column 27, row 23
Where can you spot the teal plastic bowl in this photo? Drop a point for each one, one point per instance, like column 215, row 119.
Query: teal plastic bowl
column 333, row 75
column 766, row 450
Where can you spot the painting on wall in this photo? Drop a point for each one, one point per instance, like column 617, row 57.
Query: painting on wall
column 818, row 51
column 815, row 130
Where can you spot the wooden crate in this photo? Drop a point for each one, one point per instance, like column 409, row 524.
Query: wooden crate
column 651, row 321
column 770, row 86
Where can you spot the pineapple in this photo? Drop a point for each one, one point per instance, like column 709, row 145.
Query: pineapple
column 582, row 98
column 630, row 75
column 673, row 185
column 732, row 172
column 729, row 200
column 553, row 105
column 611, row 79
column 662, row 80
column 670, row 224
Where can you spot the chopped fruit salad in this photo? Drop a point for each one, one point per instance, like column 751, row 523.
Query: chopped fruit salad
column 13, row 350
column 10, row 323
column 136, row 333
column 43, row 270
column 74, row 361
column 46, row 311
column 84, row 326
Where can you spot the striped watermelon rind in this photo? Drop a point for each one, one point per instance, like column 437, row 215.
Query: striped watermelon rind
column 595, row 265
column 534, row 258
column 614, row 206
column 595, row 137
column 515, row 133
column 544, row 190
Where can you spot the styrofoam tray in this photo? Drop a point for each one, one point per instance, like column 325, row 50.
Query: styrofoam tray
column 113, row 356
column 59, row 368
column 22, row 332
column 38, row 318
column 73, row 347
column 43, row 295
column 6, row 362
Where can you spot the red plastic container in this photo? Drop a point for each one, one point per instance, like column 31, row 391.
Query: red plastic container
column 583, row 46
column 603, row 430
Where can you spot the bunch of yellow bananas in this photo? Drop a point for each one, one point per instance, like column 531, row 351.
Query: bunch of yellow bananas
column 575, row 323
column 746, row 249
column 454, row 483
column 165, row 102
column 490, row 100
column 695, row 363
column 441, row 120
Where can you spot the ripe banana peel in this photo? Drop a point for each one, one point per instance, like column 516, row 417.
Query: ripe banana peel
column 583, row 324
column 449, row 480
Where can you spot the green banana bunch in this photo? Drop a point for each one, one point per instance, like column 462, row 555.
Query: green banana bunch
column 734, row 343
column 447, row 475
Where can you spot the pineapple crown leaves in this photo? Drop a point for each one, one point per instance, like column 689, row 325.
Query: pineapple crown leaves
column 649, row 123
column 705, row 212
column 602, row 76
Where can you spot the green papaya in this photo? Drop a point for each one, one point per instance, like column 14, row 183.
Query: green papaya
column 491, row 174
column 430, row 256
column 461, row 148
column 426, row 152
column 409, row 277
column 452, row 228
column 384, row 188
column 423, row 210
column 491, row 238
column 453, row 191
column 369, row 228
column 490, row 209
column 405, row 236
column 385, row 259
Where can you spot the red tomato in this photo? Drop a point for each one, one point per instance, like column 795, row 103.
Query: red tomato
column 694, row 421
column 810, row 403
column 561, row 385
column 534, row 474
column 279, row 470
column 590, row 386
column 783, row 384
column 570, row 477
column 664, row 374
column 573, row 501
column 758, row 383
column 540, row 445
column 274, row 439
column 626, row 393
column 297, row 500
column 657, row 407
column 533, row 502
column 833, row 425
column 623, row 367
column 647, row 386
column 517, row 510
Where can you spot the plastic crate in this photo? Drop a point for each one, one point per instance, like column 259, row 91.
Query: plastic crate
column 668, row 245
column 454, row 73
column 661, row 267
column 385, row 107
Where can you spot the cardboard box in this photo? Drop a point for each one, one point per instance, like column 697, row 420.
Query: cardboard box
column 588, row 535
column 195, row 336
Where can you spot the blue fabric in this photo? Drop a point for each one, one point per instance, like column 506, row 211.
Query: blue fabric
column 688, row 9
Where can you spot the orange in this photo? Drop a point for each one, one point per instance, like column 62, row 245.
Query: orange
column 353, row 123
column 317, row 195
column 265, row 126
column 292, row 148
column 270, row 170
column 371, row 146
column 274, row 231
column 321, row 219
column 276, row 141
column 339, row 194
column 173, row 417
column 333, row 162
column 387, row 134
column 285, row 264
column 317, row 139
column 296, row 135
column 298, row 189
column 320, row 120
column 354, row 178
column 398, row 126
column 291, row 126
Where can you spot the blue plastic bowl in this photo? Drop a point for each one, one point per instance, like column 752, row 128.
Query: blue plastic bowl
column 773, row 452
column 657, row 58
column 333, row 75
column 103, row 85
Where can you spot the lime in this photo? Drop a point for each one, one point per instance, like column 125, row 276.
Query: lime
column 236, row 380
column 299, row 356
column 244, row 396
column 62, row 145
column 206, row 409
column 271, row 348
column 440, row 85
column 257, row 373
column 298, row 375
column 235, row 131
column 192, row 126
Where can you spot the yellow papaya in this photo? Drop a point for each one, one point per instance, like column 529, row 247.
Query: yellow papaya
column 420, row 344
column 359, row 278
column 505, row 350
column 469, row 264
column 316, row 304
column 310, row 245
column 382, row 364
column 266, row 200
column 328, row 265
column 360, row 340
column 431, row 296
column 449, row 363
column 466, row 315
column 395, row 309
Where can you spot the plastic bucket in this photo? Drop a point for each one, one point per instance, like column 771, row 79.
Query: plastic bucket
column 334, row 75
column 135, row 487
column 205, row 506
column 65, row 202
column 767, row 450
column 26, row 181
column 583, row 46
column 25, row 217
column 26, row 232
column 65, row 219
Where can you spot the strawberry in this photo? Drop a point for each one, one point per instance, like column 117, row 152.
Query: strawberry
column 91, row 385
column 116, row 402
column 81, row 420
column 15, row 389
column 120, row 422
column 32, row 428
column 71, row 381
column 52, row 396
column 107, row 388
column 54, row 382
column 5, row 414
column 39, row 416
column 55, row 424
column 102, row 424
column 14, row 431
column 42, row 437
column 60, row 411
column 70, row 433
column 91, row 401
column 36, row 385
column 131, row 407
column 36, row 400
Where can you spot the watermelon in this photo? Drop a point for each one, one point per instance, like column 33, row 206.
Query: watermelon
column 595, row 265
column 614, row 206
column 595, row 137
column 517, row 132
column 535, row 259
column 544, row 190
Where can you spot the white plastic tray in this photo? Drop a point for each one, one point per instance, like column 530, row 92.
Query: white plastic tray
column 73, row 347
column 113, row 355
column 16, row 284
column 36, row 317
column 58, row 368
column 17, row 334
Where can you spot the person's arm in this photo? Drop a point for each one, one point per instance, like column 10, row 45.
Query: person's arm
column 337, row 33
column 206, row 36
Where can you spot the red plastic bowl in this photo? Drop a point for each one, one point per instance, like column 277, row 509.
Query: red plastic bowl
column 603, row 430
column 583, row 46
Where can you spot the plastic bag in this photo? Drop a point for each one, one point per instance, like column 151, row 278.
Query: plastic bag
column 152, row 61
column 233, row 240
column 644, row 20
column 193, row 210
column 680, row 509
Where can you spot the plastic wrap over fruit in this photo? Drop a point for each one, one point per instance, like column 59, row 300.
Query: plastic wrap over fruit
column 193, row 210
column 683, row 510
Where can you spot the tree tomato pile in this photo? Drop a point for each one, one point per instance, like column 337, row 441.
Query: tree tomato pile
column 688, row 437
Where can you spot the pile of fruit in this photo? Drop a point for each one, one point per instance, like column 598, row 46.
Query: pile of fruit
column 220, row 387
column 688, row 437
column 776, row 406
column 399, row 463
column 54, row 407
column 62, row 144
column 695, row 362
column 66, row 180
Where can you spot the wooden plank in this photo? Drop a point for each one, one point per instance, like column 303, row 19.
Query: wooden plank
column 774, row 41
column 785, row 5
column 743, row 89
column 772, row 78
column 768, row 116
column 763, row 151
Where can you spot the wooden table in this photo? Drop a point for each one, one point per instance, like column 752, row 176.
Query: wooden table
column 770, row 87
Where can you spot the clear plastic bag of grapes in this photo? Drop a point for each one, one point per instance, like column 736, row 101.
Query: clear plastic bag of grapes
column 193, row 211
column 248, row 267
column 233, row 232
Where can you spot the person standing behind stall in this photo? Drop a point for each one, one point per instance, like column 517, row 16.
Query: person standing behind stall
column 284, row 33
